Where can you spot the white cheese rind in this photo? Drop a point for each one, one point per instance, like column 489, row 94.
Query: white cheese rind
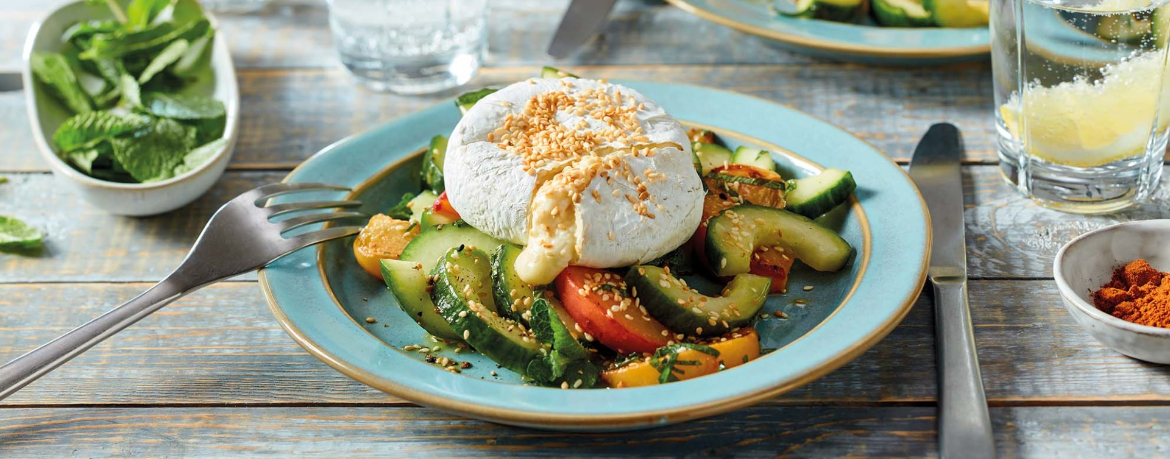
column 489, row 188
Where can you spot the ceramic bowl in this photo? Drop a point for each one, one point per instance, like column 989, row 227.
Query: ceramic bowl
column 135, row 199
column 1086, row 263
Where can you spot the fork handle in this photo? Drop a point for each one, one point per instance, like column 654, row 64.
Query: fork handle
column 27, row 368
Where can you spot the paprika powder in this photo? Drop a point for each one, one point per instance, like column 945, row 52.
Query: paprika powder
column 1137, row 293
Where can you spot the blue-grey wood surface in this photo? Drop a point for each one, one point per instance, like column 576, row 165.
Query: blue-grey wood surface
column 214, row 376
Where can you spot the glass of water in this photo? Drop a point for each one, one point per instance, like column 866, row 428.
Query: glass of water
column 1081, row 105
column 410, row 46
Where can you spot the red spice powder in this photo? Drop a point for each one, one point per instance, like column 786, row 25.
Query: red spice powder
column 1137, row 293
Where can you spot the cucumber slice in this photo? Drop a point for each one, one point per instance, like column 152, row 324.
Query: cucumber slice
column 467, row 100
column 1124, row 28
column 408, row 282
column 420, row 204
column 462, row 292
column 432, row 168
column 432, row 243
column 514, row 296
column 553, row 72
column 754, row 157
column 775, row 184
column 954, row 13
column 901, row 13
column 832, row 10
column 733, row 235
column 430, row 218
column 683, row 310
column 815, row 195
column 568, row 361
column 710, row 156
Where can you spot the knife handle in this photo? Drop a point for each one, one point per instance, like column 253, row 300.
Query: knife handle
column 964, row 426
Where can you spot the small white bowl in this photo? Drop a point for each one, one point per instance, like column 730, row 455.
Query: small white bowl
column 135, row 199
column 1086, row 263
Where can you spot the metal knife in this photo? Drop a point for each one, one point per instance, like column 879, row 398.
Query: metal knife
column 582, row 20
column 964, row 427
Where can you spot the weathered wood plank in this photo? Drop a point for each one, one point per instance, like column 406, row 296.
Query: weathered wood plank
column 416, row 432
column 221, row 346
column 296, row 34
column 286, row 116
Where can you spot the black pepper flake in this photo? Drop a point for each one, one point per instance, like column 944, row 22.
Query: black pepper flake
column 430, row 359
column 465, row 365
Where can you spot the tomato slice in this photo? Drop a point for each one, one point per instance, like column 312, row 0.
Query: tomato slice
column 443, row 207
column 597, row 299
column 775, row 262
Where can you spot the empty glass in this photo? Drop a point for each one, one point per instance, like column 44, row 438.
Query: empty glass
column 410, row 46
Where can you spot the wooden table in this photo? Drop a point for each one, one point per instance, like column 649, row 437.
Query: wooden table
column 213, row 375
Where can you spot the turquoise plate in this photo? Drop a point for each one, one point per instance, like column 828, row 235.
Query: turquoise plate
column 868, row 44
column 323, row 299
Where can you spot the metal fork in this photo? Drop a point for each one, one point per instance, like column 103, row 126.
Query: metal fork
column 240, row 237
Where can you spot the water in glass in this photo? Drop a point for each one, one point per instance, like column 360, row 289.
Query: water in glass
column 410, row 46
column 1080, row 99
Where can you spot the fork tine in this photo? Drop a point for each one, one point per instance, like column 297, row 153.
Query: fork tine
column 319, row 236
column 277, row 189
column 302, row 220
column 281, row 209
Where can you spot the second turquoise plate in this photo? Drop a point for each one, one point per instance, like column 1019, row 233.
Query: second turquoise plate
column 323, row 299
column 850, row 42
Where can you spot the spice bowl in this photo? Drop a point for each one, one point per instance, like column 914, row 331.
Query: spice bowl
column 1086, row 263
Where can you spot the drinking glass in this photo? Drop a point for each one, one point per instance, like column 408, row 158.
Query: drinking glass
column 1080, row 99
column 410, row 46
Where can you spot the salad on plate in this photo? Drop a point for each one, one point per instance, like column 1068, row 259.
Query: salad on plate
column 575, row 233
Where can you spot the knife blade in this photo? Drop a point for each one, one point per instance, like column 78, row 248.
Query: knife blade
column 964, row 426
column 581, row 21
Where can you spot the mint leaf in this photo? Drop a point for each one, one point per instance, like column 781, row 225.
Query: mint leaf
column 93, row 155
column 183, row 106
column 139, row 13
column 568, row 361
column 152, row 38
column 151, row 155
column 166, row 57
column 131, row 92
column 18, row 235
column 82, row 129
column 401, row 211
column 81, row 32
column 196, row 54
column 54, row 71
column 202, row 154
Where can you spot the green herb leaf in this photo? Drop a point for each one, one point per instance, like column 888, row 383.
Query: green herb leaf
column 3, row 179
column 79, row 130
column 153, row 154
column 153, row 38
column 200, row 155
column 401, row 211
column 58, row 76
column 568, row 361
column 139, row 13
column 131, row 91
column 196, row 54
column 81, row 32
column 93, row 155
column 183, row 106
column 166, row 57
column 666, row 361
column 18, row 235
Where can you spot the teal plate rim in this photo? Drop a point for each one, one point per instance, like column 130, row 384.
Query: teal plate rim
column 848, row 39
column 897, row 262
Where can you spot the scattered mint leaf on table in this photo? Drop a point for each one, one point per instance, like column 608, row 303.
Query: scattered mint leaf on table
column 3, row 179
column 54, row 71
column 18, row 235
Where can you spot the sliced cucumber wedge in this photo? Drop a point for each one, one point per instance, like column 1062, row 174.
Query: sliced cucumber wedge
column 754, row 157
column 421, row 204
column 408, row 282
column 553, row 72
column 514, row 296
column 901, row 13
column 733, row 235
column 683, row 310
column 432, row 243
column 955, row 13
column 832, row 10
column 467, row 100
column 710, row 156
column 817, row 194
column 432, row 168
column 462, row 292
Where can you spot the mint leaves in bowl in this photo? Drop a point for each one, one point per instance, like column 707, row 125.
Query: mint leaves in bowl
column 134, row 102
